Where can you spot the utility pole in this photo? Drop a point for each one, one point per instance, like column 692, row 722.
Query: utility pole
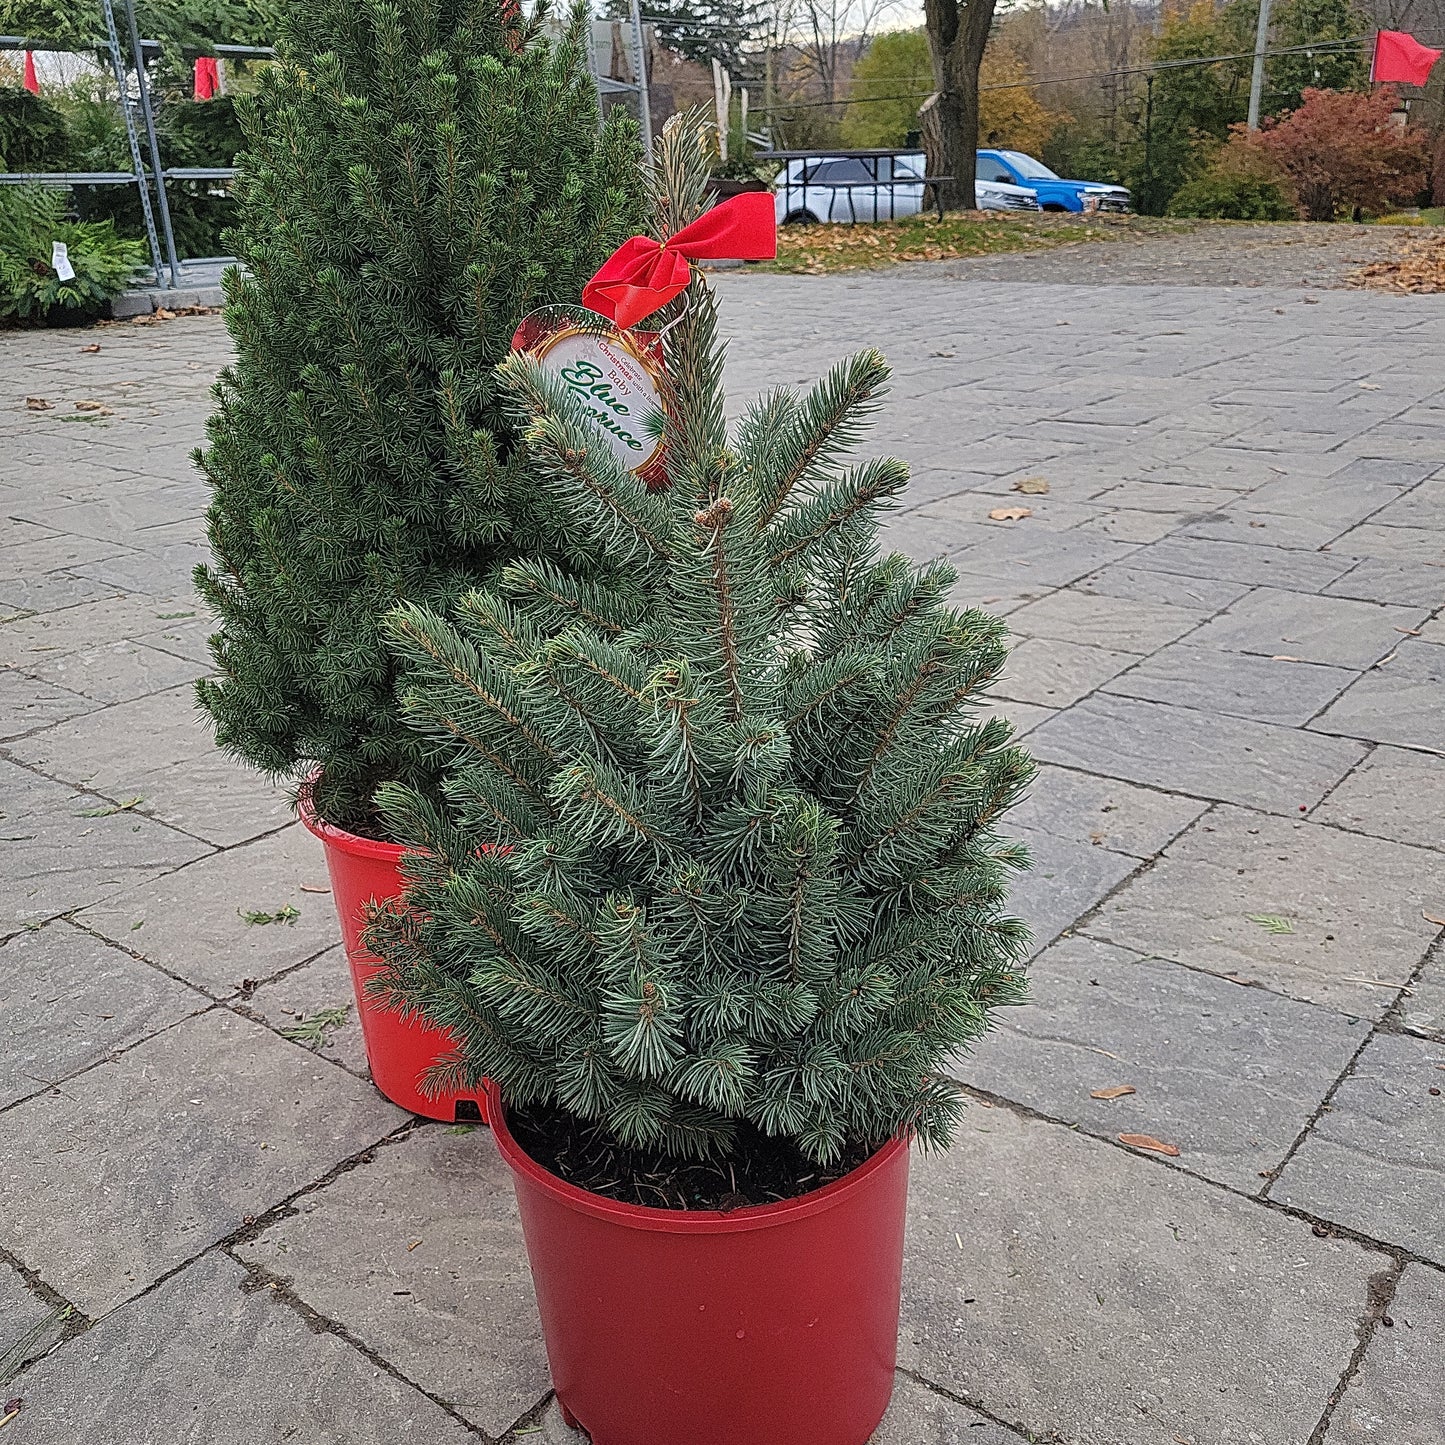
column 1256, row 81
column 644, row 97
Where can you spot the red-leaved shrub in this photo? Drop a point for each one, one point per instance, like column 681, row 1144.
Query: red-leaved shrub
column 1344, row 150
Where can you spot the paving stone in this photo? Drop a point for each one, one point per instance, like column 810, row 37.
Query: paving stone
column 1068, row 1286
column 1399, row 1386
column 1331, row 630
column 31, row 641
column 991, row 594
column 1180, row 749
column 192, row 922
column 117, row 672
column 1353, row 904
column 1038, row 559
column 322, row 986
column 1249, row 527
column 50, row 591
column 1103, row 812
column 419, row 1256
column 1050, row 673
column 1258, row 566
column 179, row 774
column 1124, row 579
column 1392, row 794
column 1402, row 701
column 70, row 1000
column 1377, row 580
column 1128, row 525
column 28, row 1325
column 1240, row 684
column 27, row 705
column 208, row 1358
column 1067, row 879
column 169, row 1149
column 1373, row 1161
column 1073, row 615
column 61, row 849
column 1230, row 1075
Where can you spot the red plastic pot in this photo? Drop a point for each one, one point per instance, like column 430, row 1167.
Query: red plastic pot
column 398, row 1050
column 776, row 1325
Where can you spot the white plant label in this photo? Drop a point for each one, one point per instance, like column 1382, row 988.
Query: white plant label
column 60, row 261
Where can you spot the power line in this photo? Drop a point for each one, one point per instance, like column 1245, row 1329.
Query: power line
column 1321, row 47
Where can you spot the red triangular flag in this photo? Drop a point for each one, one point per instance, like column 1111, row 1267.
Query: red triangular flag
column 208, row 78
column 32, row 81
column 1400, row 57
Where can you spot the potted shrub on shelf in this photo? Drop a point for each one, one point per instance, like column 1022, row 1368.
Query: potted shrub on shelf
column 712, row 892
column 417, row 177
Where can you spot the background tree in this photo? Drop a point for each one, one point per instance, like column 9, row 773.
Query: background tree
column 1010, row 112
column 702, row 30
column 957, row 34
column 418, row 176
column 1309, row 22
column 890, row 81
column 1343, row 151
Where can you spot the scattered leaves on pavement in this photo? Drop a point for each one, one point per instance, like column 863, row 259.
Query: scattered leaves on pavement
column 1010, row 514
column 1272, row 922
column 1417, row 266
column 315, row 1029
column 1149, row 1142
column 286, row 914
column 1114, row 1091
column 1031, row 486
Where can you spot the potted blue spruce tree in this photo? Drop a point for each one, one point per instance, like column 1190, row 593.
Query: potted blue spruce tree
column 712, row 892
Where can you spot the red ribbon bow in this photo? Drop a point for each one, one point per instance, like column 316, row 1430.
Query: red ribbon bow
column 643, row 274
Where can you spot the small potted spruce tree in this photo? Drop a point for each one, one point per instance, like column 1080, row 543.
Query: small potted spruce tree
column 417, row 177
column 712, row 892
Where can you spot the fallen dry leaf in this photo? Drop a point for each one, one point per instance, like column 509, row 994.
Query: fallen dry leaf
column 1149, row 1142
column 1097, row 838
column 1010, row 514
column 1285, row 657
column 1114, row 1091
column 38, row 403
column 1031, row 486
column 1418, row 266
column 98, row 407
column 1433, row 918
column 314, row 888
column 94, row 346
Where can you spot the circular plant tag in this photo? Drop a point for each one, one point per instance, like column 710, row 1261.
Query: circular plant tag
column 616, row 375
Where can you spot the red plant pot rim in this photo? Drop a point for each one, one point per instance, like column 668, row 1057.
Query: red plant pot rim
column 679, row 1221
column 352, row 843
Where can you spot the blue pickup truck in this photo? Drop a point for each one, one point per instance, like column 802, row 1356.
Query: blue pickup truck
column 1014, row 168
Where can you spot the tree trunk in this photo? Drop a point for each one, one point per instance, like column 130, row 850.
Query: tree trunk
column 957, row 33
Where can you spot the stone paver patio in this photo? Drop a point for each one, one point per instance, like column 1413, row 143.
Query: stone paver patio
column 1231, row 667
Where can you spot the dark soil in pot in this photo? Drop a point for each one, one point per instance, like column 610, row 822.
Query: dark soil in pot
column 757, row 1170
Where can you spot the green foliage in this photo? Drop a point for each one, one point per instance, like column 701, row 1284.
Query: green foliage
column 1232, row 198
column 174, row 22
column 718, row 831
column 190, row 133
column 31, row 293
column 1314, row 22
column 890, row 81
column 700, row 29
column 417, row 178
column 33, row 133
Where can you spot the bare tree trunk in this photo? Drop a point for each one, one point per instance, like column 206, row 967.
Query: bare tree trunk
column 957, row 33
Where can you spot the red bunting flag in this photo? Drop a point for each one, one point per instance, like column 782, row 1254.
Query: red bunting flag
column 32, row 81
column 208, row 77
column 1400, row 57
column 643, row 274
